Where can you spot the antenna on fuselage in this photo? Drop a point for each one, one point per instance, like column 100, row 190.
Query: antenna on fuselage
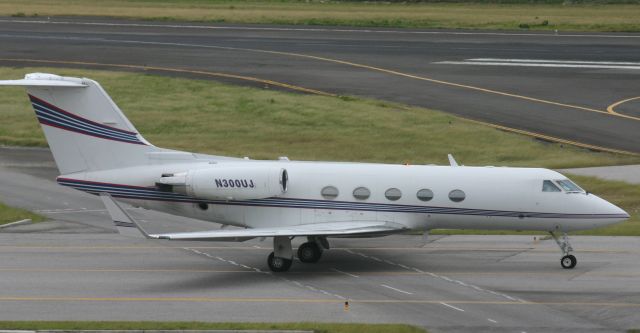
column 452, row 161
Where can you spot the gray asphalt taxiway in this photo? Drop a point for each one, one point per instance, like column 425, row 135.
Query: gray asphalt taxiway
column 75, row 267
column 582, row 88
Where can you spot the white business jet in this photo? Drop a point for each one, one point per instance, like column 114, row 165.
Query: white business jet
column 97, row 150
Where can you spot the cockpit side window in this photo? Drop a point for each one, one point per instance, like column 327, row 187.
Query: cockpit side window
column 569, row 186
column 549, row 186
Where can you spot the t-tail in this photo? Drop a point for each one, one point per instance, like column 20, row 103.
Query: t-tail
column 85, row 129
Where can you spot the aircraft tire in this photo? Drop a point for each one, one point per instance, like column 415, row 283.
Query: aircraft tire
column 568, row 261
column 309, row 252
column 277, row 264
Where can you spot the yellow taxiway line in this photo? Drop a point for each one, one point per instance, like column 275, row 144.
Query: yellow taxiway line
column 611, row 107
column 330, row 272
column 167, row 69
column 442, row 82
column 300, row 300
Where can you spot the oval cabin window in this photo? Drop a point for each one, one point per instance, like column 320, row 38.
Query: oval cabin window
column 424, row 194
column 457, row 195
column 361, row 193
column 329, row 192
column 393, row 194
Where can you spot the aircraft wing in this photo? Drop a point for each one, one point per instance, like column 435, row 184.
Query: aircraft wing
column 335, row 229
column 127, row 226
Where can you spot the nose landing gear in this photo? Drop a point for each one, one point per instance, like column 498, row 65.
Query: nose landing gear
column 568, row 261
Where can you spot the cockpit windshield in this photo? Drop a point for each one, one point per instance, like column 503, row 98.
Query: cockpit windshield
column 569, row 186
column 549, row 186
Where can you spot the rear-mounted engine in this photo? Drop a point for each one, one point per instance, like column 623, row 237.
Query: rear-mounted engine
column 227, row 183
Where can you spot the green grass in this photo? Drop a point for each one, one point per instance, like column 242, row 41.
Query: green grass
column 210, row 117
column 142, row 325
column 11, row 214
column 543, row 15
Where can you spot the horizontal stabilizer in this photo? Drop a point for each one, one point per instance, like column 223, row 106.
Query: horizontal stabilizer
column 44, row 80
column 125, row 224
column 336, row 229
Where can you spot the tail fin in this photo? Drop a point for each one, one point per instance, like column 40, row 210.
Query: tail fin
column 83, row 126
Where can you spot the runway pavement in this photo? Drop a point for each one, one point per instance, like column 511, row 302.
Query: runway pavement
column 75, row 267
column 577, row 87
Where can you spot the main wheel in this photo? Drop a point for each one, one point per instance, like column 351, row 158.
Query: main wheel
column 568, row 261
column 277, row 264
column 309, row 252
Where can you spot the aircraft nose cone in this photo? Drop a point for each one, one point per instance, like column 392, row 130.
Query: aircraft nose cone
column 616, row 212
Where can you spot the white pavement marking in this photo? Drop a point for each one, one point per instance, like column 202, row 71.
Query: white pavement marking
column 544, row 63
column 558, row 61
column 442, row 277
column 16, row 223
column 451, row 306
column 396, row 289
column 68, row 211
column 367, row 31
column 339, row 271
column 297, row 283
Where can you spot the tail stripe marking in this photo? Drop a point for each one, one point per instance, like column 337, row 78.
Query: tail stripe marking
column 47, row 114
column 51, row 115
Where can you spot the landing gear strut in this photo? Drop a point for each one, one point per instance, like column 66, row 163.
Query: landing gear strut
column 568, row 260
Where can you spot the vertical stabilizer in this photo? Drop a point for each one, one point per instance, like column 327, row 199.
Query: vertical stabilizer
column 85, row 129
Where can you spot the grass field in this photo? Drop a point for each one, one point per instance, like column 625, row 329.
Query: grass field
column 591, row 16
column 11, row 214
column 315, row 327
column 214, row 118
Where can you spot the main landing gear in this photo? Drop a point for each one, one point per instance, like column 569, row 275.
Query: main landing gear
column 311, row 251
column 568, row 260
column 281, row 258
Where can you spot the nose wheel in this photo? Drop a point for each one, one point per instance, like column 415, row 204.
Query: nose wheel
column 568, row 260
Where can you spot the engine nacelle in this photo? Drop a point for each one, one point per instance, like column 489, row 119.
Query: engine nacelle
column 228, row 183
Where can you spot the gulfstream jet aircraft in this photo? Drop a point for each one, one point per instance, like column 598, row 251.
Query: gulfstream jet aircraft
column 98, row 150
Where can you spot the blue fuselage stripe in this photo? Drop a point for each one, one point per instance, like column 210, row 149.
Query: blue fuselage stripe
column 140, row 193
